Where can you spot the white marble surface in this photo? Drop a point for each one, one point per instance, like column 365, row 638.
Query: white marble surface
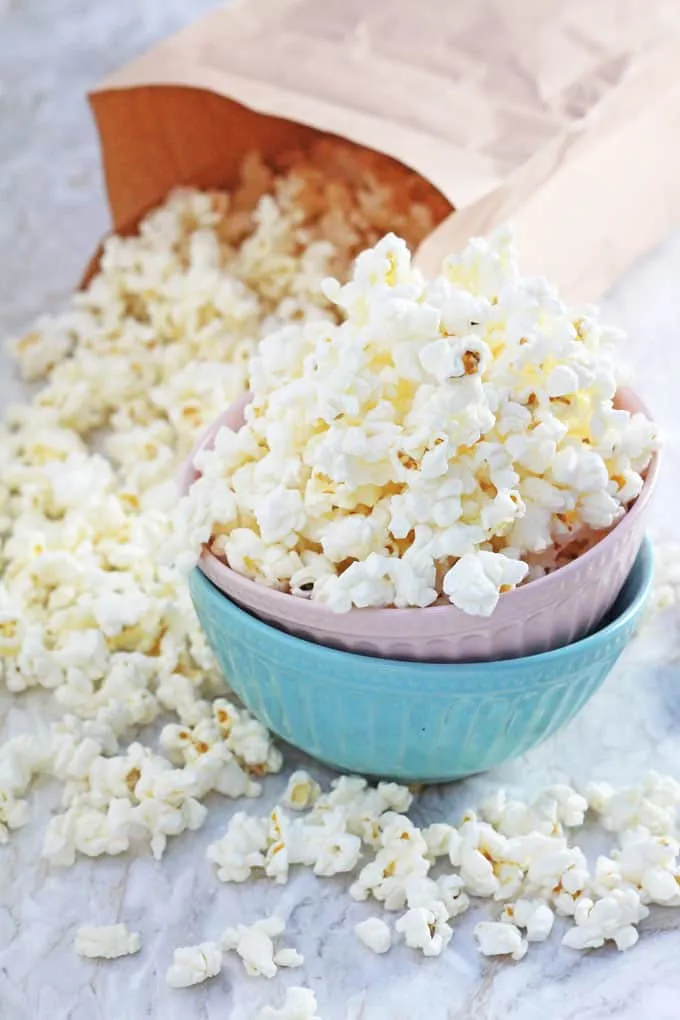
column 51, row 215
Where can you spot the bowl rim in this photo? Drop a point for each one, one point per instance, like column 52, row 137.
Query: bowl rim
column 209, row 564
column 375, row 665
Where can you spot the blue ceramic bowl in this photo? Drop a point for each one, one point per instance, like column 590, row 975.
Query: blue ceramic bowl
column 411, row 721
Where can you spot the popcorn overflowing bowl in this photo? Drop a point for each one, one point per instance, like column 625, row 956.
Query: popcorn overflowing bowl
column 545, row 614
column 442, row 470
column 411, row 721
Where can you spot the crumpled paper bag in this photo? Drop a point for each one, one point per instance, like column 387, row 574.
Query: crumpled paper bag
column 562, row 117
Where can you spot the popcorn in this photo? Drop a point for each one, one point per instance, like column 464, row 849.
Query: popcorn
column 191, row 965
column 301, row 792
column 558, row 872
column 241, row 849
column 474, row 583
column 299, row 1004
column 21, row 758
column 612, row 917
column 489, row 864
column 106, row 941
column 654, row 804
column 558, row 806
column 400, row 860
column 441, row 839
column 374, row 934
column 149, row 353
column 288, row 957
column 450, row 890
column 533, row 915
column 646, row 863
column 429, row 442
column 335, row 853
column 255, row 946
column 111, row 799
column 497, row 938
column 425, row 929
column 398, row 438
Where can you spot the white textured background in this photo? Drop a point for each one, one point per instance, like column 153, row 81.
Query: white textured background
column 52, row 214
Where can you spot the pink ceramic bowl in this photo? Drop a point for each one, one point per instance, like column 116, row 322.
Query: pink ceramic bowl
column 545, row 614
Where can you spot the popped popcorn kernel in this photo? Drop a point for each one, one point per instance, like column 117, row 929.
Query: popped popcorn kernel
column 374, row 934
column 106, row 941
column 191, row 965
column 444, row 439
column 497, row 938
column 255, row 945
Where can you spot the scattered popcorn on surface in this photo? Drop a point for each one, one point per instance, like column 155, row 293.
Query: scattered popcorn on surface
column 496, row 938
column 612, row 917
column 21, row 758
column 441, row 439
column 111, row 799
column 426, row 929
column 153, row 349
column 375, row 934
column 406, row 441
column 106, row 941
column 299, row 1004
column 191, row 965
column 653, row 804
column 288, row 957
column 509, row 851
column 534, row 916
column 327, row 839
column 302, row 791
column 255, row 945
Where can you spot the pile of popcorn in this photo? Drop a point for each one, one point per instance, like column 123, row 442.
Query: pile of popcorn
column 444, row 439
column 519, row 855
column 154, row 348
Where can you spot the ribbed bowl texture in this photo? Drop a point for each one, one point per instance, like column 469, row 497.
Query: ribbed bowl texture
column 411, row 721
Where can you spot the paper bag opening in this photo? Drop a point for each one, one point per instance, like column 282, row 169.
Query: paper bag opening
column 552, row 117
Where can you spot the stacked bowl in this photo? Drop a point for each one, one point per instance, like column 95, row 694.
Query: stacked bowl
column 427, row 695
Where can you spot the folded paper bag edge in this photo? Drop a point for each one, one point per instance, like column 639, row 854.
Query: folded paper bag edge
column 558, row 234
column 493, row 202
column 427, row 156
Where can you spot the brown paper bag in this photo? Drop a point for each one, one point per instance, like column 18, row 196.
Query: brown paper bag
column 561, row 117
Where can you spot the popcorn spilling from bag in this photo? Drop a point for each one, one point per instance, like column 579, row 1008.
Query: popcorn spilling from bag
column 146, row 355
column 444, row 439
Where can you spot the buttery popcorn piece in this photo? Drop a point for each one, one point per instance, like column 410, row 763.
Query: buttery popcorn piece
column 106, row 941
column 255, row 945
column 426, row 929
column 614, row 917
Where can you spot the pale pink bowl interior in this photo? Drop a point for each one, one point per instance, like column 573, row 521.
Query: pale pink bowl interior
column 544, row 614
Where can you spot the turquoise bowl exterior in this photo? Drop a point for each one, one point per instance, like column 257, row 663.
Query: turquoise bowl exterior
column 411, row 721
